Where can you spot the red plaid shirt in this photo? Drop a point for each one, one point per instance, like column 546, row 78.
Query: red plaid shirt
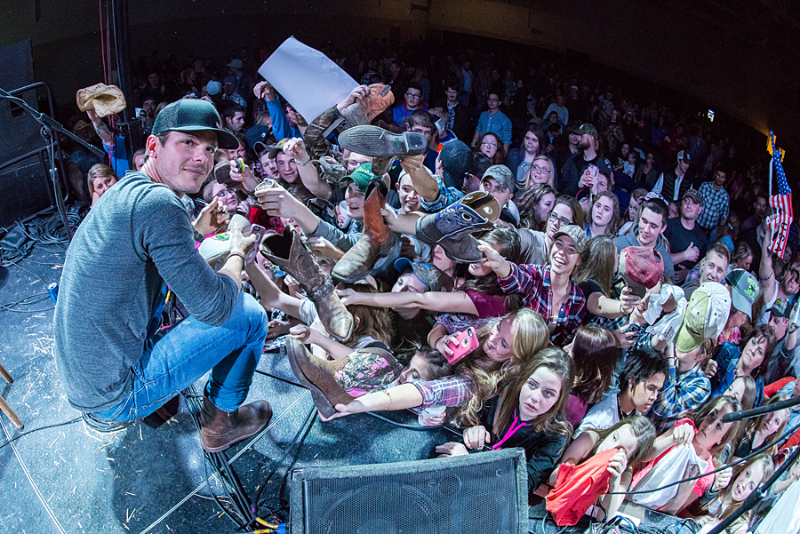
column 533, row 282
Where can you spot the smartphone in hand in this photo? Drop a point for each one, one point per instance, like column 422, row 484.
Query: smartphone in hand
column 465, row 343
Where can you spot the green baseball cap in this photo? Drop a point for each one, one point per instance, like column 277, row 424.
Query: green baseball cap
column 705, row 316
column 361, row 176
column 744, row 290
column 193, row 115
column 588, row 128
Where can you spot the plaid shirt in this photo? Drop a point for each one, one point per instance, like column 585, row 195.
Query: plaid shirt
column 448, row 391
column 447, row 195
column 679, row 394
column 716, row 206
column 533, row 282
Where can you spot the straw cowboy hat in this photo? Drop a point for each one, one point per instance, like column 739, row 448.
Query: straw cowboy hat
column 104, row 99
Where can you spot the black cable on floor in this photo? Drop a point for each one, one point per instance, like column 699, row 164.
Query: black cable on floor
column 281, row 379
column 55, row 425
column 309, row 422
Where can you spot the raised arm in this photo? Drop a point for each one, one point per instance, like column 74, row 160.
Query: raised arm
column 425, row 184
column 305, row 168
column 766, row 272
column 455, row 302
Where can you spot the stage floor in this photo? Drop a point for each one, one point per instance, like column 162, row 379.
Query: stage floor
column 150, row 480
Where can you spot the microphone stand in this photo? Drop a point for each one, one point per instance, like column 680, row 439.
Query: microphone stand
column 757, row 494
column 50, row 125
column 755, row 412
column 762, row 488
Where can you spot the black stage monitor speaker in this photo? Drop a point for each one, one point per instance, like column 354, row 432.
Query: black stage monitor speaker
column 482, row 493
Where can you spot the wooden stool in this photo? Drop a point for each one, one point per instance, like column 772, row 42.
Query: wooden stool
column 4, row 406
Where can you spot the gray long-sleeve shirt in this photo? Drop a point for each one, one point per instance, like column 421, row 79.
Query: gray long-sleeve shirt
column 136, row 238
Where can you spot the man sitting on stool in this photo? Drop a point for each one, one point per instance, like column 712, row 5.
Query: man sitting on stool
column 136, row 241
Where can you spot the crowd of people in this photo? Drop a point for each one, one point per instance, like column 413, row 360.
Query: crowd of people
column 528, row 255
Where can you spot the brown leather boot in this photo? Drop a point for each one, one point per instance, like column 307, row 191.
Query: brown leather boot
column 314, row 137
column 318, row 376
column 378, row 99
column 377, row 246
column 220, row 430
column 288, row 252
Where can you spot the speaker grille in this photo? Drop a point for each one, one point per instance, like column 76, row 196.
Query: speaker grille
column 480, row 498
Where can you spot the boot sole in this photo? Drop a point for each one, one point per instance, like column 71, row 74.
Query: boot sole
column 232, row 443
column 375, row 141
column 320, row 400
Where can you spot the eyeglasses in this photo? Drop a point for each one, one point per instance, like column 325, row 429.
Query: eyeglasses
column 414, row 95
column 536, row 168
column 562, row 221
column 494, row 145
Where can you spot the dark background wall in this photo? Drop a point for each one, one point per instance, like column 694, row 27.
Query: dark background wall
column 737, row 56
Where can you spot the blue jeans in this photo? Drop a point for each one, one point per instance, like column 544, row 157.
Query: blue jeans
column 187, row 352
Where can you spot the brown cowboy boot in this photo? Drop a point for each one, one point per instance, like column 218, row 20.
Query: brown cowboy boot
column 377, row 246
column 220, row 430
column 365, row 370
column 288, row 252
column 314, row 137
column 381, row 165
column 378, row 100
column 318, row 376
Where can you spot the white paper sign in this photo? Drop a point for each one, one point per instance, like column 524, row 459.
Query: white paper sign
column 307, row 78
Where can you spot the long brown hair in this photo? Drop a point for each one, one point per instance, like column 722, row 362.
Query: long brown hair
column 755, row 423
column 552, row 421
column 597, row 263
column 712, row 409
column 769, row 469
column 594, row 353
column 642, row 428
column 528, row 200
column 529, row 335
column 613, row 226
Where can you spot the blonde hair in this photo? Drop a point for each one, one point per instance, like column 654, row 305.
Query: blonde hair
column 99, row 170
column 529, row 335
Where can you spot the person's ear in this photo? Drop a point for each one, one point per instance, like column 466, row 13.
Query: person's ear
column 150, row 146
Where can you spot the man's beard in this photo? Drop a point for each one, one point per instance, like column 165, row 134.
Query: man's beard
column 583, row 145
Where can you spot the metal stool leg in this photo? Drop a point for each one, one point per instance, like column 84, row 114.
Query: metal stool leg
column 10, row 413
column 5, row 375
column 4, row 405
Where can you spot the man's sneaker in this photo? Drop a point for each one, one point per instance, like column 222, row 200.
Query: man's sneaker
column 375, row 141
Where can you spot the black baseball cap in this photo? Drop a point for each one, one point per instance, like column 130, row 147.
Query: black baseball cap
column 193, row 115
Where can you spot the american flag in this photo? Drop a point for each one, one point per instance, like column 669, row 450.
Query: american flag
column 781, row 203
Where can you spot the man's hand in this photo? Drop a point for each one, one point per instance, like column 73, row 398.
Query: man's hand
column 356, row 94
column 240, row 243
column 296, row 148
column 413, row 164
column 264, row 90
column 323, row 248
column 93, row 116
column 691, row 253
column 277, row 201
column 246, row 178
column 212, row 219
column 681, row 273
